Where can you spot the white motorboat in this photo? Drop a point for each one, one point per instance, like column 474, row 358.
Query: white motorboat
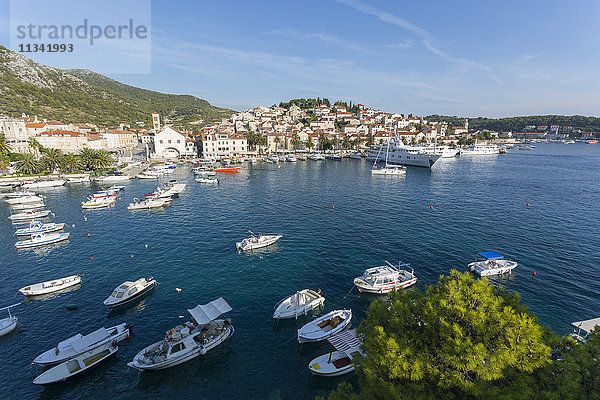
column 273, row 158
column 129, row 291
column 146, row 176
column 384, row 279
column 83, row 179
column 29, row 214
column 300, row 303
column 44, row 184
column 325, row 326
column 51, row 286
column 256, row 242
column 480, row 150
column 584, row 329
column 317, row 157
column 341, row 361
column 389, row 170
column 170, row 189
column 25, row 199
column 403, row 155
column 185, row 342
column 207, row 180
column 42, row 239
column 113, row 178
column 76, row 365
column 7, row 325
column 98, row 202
column 79, row 344
column 493, row 264
column 206, row 172
column 27, row 206
column 291, row 158
column 12, row 195
column 37, row 226
column 116, row 188
column 150, row 202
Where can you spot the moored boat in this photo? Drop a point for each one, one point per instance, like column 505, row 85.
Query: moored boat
column 98, row 202
column 150, row 202
column 51, row 286
column 341, row 361
column 584, row 329
column 83, row 179
column 25, row 199
column 385, row 278
column 185, row 342
column 40, row 184
column 256, row 242
column 493, row 264
column 37, row 226
column 146, row 176
column 76, row 365
column 42, row 239
column 29, row 214
column 300, row 303
column 7, row 325
column 129, row 291
column 113, row 178
column 207, row 180
column 325, row 326
column 27, row 206
column 229, row 169
column 79, row 344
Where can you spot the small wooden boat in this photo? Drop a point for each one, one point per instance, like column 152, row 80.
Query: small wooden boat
column 300, row 303
column 325, row 326
column 256, row 242
column 37, row 226
column 341, row 361
column 77, row 365
column 207, row 180
column 42, row 239
column 29, row 214
column 51, row 286
column 79, row 344
column 231, row 170
column 7, row 325
column 129, row 291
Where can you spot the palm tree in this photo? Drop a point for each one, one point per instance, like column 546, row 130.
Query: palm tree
column 71, row 162
column 87, row 157
column 277, row 142
column 309, row 143
column 346, row 143
column 29, row 164
column 322, row 141
column 295, row 141
column 102, row 159
column 52, row 158
column 37, row 147
column 5, row 149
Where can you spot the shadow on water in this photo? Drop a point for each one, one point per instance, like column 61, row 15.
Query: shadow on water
column 132, row 308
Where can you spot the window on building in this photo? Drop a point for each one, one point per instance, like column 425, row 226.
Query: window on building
column 169, row 141
column 160, row 141
column 178, row 141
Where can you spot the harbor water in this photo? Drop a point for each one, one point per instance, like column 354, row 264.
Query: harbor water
column 538, row 207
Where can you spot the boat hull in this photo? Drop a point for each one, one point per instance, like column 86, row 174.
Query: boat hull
column 52, row 286
column 26, row 244
column 11, row 325
column 132, row 298
column 312, row 331
column 321, row 366
column 365, row 288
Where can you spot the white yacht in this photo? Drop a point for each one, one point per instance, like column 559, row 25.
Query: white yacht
column 493, row 264
column 403, row 155
column 151, row 202
column 442, row 151
column 129, row 291
column 478, row 149
column 29, row 214
column 44, row 184
column 25, row 199
column 384, row 279
column 98, row 202
column 185, row 342
column 317, row 157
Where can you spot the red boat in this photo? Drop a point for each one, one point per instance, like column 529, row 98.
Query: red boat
column 231, row 170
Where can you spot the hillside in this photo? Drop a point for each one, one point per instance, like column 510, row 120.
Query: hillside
column 85, row 96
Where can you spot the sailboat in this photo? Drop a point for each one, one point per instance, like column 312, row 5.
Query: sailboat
column 388, row 169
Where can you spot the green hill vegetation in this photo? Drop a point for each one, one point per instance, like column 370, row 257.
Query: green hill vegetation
column 79, row 96
column 516, row 124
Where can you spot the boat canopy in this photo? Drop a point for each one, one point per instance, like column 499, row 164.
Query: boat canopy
column 491, row 255
column 346, row 341
column 85, row 342
column 203, row 314
column 587, row 325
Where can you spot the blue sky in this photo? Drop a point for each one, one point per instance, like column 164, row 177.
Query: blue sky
column 466, row 58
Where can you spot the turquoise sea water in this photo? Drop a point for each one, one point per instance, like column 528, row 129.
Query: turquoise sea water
column 337, row 220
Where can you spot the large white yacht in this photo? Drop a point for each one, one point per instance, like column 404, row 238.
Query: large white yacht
column 403, row 155
column 442, row 151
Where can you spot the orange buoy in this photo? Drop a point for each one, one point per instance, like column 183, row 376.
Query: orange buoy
column 92, row 258
column 534, row 273
column 430, row 206
column 89, row 235
column 333, row 207
column 527, row 204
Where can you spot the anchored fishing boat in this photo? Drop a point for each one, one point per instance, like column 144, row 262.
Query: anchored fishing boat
column 384, row 279
column 7, row 325
column 256, row 242
column 325, row 326
column 29, row 214
column 36, row 226
column 98, row 202
column 78, row 344
column 51, row 286
column 341, row 361
column 493, row 264
column 129, row 291
column 42, row 239
column 300, row 303
column 150, row 202
column 185, row 342
column 77, row 365
column 27, row 206
column 25, row 199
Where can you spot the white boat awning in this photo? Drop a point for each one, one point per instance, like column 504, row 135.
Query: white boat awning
column 203, row 314
column 587, row 325
column 89, row 340
column 345, row 341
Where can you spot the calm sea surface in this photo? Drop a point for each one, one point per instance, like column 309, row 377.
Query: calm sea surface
column 337, row 220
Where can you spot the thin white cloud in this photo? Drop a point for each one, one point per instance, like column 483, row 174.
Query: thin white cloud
column 528, row 57
column 426, row 37
column 320, row 36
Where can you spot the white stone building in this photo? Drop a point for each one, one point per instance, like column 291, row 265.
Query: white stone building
column 169, row 143
column 222, row 145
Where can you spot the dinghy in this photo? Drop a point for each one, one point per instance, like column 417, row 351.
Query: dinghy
column 493, row 264
column 42, row 239
column 51, row 286
column 129, row 291
column 325, row 326
column 29, row 214
column 341, row 361
column 77, row 365
column 7, row 325
column 38, row 227
column 185, row 342
column 78, row 344
column 300, row 303
column 256, row 242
